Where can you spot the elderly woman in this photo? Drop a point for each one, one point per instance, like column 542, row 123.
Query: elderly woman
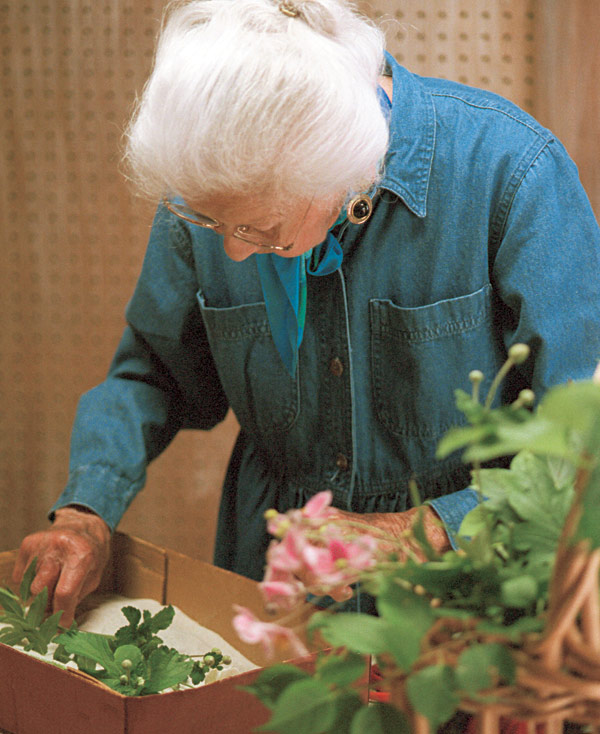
column 338, row 242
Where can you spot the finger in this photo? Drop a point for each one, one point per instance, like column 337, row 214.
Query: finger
column 47, row 575
column 69, row 592
column 342, row 593
column 24, row 558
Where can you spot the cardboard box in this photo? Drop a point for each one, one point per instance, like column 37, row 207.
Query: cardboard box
column 38, row 698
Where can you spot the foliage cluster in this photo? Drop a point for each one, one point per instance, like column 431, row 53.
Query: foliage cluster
column 134, row 661
column 495, row 583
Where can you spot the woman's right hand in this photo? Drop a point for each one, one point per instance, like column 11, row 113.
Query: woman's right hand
column 71, row 556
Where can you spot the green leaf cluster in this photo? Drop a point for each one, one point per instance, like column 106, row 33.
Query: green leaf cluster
column 497, row 580
column 324, row 702
column 26, row 625
column 135, row 661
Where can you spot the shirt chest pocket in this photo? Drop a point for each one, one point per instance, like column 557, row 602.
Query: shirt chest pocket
column 261, row 392
column 419, row 356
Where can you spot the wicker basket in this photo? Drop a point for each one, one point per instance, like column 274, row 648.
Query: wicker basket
column 558, row 671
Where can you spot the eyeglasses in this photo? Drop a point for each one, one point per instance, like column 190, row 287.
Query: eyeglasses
column 242, row 232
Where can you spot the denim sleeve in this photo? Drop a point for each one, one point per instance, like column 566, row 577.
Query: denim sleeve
column 162, row 378
column 452, row 508
column 546, row 261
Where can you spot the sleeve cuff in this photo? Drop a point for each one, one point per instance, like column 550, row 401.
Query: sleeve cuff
column 452, row 509
column 101, row 490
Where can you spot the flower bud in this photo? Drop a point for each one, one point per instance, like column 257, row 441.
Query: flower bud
column 527, row 397
column 209, row 659
column 126, row 664
column 124, row 680
column 226, row 660
column 518, row 353
column 476, row 377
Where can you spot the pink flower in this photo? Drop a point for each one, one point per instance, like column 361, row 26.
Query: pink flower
column 286, row 555
column 358, row 553
column 282, row 594
column 250, row 629
column 318, row 506
column 322, row 566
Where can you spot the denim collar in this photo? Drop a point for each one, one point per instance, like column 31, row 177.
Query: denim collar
column 412, row 139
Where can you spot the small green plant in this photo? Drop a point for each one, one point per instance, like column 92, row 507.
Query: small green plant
column 134, row 661
column 26, row 625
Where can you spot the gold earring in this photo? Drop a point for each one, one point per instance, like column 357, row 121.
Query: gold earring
column 360, row 208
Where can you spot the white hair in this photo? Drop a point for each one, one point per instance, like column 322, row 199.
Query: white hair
column 245, row 99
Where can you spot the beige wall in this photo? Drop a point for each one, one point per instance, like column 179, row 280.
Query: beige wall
column 73, row 236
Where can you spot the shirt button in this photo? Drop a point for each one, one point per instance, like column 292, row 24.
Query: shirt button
column 336, row 367
column 342, row 462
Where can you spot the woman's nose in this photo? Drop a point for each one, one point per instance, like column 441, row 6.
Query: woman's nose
column 237, row 249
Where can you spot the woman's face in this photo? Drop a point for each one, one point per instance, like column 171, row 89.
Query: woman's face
column 304, row 224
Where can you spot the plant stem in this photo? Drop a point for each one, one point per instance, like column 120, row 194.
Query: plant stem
column 502, row 372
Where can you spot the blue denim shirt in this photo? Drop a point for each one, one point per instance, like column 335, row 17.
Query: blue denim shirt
column 481, row 236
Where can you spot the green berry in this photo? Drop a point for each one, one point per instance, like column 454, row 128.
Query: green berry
column 126, row 664
column 124, row 680
column 209, row 659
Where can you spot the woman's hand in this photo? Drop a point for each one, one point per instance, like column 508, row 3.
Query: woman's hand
column 71, row 557
column 398, row 524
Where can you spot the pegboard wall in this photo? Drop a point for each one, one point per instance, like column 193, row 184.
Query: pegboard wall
column 488, row 44
column 73, row 234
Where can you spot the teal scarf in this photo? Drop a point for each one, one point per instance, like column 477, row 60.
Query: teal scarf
column 283, row 282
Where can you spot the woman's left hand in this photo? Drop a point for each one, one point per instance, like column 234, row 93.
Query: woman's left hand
column 399, row 524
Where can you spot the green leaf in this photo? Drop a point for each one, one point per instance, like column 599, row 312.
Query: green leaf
column 128, row 652
column 360, row 633
column 272, row 681
column 379, row 718
column 161, row 620
column 432, row 692
column 458, row 438
column 483, row 666
column 347, row 704
column 93, row 646
column 575, row 406
column 475, row 520
column 132, row 615
column 340, row 670
column 28, row 576
column 305, row 707
column 49, row 626
column 519, row 591
column 166, row 668
column 61, row 655
column 11, row 603
column 35, row 613
column 409, row 617
column 11, row 636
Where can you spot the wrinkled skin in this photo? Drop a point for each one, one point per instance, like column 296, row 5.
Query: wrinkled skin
column 71, row 555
